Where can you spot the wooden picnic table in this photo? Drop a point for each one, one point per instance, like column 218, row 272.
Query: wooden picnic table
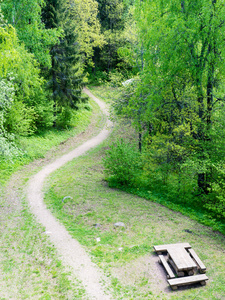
column 183, row 259
column 179, row 257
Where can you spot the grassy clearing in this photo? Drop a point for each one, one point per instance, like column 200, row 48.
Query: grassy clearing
column 105, row 92
column 126, row 254
column 29, row 265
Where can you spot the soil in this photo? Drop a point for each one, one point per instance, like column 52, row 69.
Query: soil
column 70, row 251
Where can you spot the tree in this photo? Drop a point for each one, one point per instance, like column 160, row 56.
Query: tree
column 25, row 16
column 184, row 69
column 178, row 101
column 20, row 84
column 112, row 17
column 65, row 76
column 88, row 28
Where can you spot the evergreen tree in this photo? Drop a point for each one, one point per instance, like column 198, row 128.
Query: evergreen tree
column 112, row 17
column 65, row 76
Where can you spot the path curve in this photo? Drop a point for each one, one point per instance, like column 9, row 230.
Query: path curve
column 71, row 252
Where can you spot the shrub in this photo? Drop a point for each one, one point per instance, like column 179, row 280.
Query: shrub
column 116, row 78
column 215, row 200
column 64, row 117
column 20, row 119
column 123, row 163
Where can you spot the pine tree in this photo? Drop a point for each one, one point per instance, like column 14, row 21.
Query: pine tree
column 112, row 15
column 65, row 76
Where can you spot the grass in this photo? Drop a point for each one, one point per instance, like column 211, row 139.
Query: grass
column 126, row 254
column 105, row 92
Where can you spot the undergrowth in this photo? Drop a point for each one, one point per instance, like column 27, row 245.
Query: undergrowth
column 125, row 169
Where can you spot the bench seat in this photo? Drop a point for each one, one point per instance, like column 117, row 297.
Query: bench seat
column 198, row 261
column 174, row 283
column 164, row 248
column 167, row 267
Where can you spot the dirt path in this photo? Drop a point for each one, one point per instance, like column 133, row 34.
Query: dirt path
column 70, row 250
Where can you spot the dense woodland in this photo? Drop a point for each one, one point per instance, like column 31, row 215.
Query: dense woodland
column 173, row 52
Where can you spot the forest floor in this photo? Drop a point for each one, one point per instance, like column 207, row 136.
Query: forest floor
column 31, row 267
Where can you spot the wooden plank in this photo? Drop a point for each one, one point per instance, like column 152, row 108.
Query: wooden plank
column 181, row 258
column 166, row 266
column 179, row 274
column 202, row 267
column 187, row 280
column 163, row 248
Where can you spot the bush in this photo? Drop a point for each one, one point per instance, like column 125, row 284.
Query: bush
column 215, row 200
column 123, row 163
column 20, row 119
column 8, row 149
column 45, row 116
column 64, row 117
column 116, row 78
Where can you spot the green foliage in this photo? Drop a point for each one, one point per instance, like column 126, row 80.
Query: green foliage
column 21, row 83
column 116, row 78
column 6, row 94
column 8, row 149
column 97, row 77
column 44, row 116
column 88, row 29
column 123, row 163
column 64, row 117
column 176, row 104
column 20, row 119
column 15, row 153
column 25, row 16
column 112, row 17
column 65, row 77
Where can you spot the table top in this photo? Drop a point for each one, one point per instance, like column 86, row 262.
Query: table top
column 179, row 255
column 181, row 258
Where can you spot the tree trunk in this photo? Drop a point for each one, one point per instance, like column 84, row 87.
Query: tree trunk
column 140, row 141
column 54, row 89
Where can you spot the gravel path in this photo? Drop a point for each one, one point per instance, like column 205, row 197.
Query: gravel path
column 71, row 252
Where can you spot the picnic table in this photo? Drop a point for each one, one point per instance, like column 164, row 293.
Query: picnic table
column 184, row 261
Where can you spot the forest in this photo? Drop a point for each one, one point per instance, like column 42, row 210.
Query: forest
column 166, row 59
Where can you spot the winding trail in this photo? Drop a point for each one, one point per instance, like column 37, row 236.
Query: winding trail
column 71, row 252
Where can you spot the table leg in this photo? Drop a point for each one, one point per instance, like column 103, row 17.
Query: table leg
column 179, row 274
column 191, row 272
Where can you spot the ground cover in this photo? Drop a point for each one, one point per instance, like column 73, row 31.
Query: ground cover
column 29, row 265
column 126, row 253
